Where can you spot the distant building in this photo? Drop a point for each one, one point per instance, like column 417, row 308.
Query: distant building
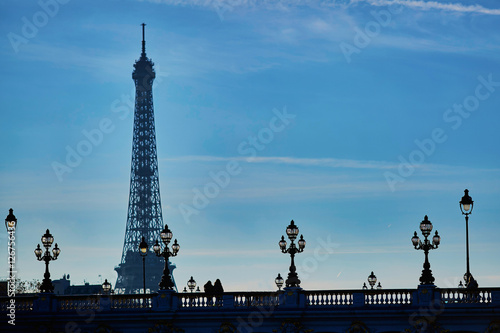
column 63, row 287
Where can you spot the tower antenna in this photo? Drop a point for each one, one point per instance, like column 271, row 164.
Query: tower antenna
column 143, row 39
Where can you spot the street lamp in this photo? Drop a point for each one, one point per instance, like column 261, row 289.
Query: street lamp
column 426, row 228
column 279, row 281
column 143, row 250
column 47, row 240
column 106, row 287
column 10, row 224
column 292, row 231
column 466, row 205
column 191, row 284
column 10, row 221
column 166, row 235
column 372, row 280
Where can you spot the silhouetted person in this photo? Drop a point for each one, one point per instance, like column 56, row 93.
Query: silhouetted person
column 209, row 289
column 218, row 290
column 471, row 286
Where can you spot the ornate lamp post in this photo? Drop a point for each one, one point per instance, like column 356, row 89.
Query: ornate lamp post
column 466, row 205
column 166, row 235
column 279, row 281
column 143, row 250
column 10, row 224
column 292, row 231
column 426, row 228
column 191, row 284
column 106, row 287
column 47, row 240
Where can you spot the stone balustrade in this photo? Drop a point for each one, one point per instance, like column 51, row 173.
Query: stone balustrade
column 310, row 299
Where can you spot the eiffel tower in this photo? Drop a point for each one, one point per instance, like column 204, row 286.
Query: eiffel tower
column 144, row 218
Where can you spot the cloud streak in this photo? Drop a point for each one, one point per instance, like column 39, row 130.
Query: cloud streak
column 228, row 5
column 320, row 162
column 435, row 5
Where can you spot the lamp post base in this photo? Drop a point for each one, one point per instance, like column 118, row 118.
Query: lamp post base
column 292, row 280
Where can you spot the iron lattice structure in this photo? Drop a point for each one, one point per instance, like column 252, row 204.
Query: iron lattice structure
column 144, row 218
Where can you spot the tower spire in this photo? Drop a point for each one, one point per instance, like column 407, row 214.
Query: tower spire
column 143, row 40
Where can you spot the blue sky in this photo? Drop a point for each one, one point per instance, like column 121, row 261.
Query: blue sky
column 393, row 110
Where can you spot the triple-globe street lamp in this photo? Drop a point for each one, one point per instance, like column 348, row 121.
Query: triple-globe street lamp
column 426, row 245
column 47, row 240
column 466, row 205
column 372, row 280
column 292, row 231
column 191, row 284
column 166, row 282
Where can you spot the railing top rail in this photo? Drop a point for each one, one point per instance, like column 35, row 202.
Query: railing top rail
column 131, row 295
column 77, row 296
column 21, row 296
column 350, row 291
column 251, row 293
column 465, row 290
column 239, row 293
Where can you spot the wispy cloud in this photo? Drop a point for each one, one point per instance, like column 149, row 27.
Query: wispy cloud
column 434, row 5
column 323, row 162
column 320, row 162
column 229, row 5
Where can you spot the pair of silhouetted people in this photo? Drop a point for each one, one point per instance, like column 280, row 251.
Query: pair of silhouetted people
column 215, row 289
